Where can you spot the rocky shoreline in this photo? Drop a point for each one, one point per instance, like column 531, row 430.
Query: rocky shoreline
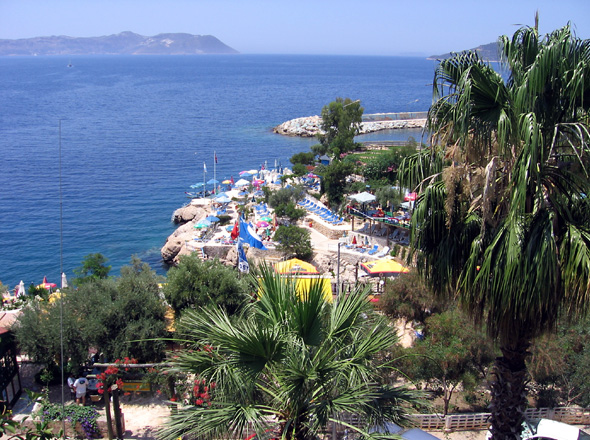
column 309, row 126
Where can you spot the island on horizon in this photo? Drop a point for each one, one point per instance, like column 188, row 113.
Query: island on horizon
column 124, row 43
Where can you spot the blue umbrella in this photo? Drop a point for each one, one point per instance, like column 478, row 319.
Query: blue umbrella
column 212, row 182
column 246, row 175
column 224, row 199
column 197, row 185
column 243, row 193
column 220, row 195
column 212, row 218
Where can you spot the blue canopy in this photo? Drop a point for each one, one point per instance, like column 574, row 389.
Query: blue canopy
column 212, row 182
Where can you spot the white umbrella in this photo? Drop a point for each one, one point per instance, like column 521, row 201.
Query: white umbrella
column 64, row 280
column 363, row 197
column 242, row 182
column 21, row 289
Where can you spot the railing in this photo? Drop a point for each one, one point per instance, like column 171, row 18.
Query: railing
column 394, row 116
column 480, row 421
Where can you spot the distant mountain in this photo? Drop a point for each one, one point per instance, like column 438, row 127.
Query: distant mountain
column 488, row 52
column 125, row 43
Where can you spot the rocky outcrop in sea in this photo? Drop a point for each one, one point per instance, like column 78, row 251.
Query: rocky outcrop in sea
column 310, row 126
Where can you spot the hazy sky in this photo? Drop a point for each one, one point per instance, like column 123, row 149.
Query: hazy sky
column 369, row 27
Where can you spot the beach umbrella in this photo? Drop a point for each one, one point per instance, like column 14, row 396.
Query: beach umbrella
column 262, row 224
column 47, row 285
column 242, row 182
column 226, row 182
column 354, row 240
column 253, row 172
column 218, row 196
column 212, row 218
column 295, row 266
column 197, row 185
column 212, row 182
column 203, row 224
column 245, row 174
column 21, row 289
column 385, row 267
column 257, row 182
column 223, row 199
column 242, row 193
column 410, row 197
column 266, row 219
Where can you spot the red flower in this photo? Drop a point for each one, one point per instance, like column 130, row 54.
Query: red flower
column 213, row 385
column 100, row 391
column 173, row 399
column 199, row 402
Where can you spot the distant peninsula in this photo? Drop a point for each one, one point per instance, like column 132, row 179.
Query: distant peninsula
column 489, row 52
column 124, row 43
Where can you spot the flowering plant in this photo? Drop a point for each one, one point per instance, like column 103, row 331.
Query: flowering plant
column 112, row 375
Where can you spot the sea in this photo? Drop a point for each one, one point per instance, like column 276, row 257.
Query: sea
column 130, row 134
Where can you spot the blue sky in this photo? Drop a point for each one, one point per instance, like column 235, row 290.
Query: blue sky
column 370, row 27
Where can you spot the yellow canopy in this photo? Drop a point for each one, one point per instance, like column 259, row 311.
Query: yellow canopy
column 385, row 267
column 295, row 266
column 303, row 284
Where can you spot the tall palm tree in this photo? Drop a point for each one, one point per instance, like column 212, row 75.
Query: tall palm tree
column 289, row 364
column 503, row 218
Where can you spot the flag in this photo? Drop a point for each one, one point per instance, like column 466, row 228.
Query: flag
column 232, row 180
column 204, row 167
column 249, row 235
column 215, row 156
column 243, row 265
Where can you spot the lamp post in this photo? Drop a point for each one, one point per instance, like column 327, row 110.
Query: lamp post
column 338, row 272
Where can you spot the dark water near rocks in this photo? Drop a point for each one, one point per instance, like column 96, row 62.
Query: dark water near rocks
column 136, row 131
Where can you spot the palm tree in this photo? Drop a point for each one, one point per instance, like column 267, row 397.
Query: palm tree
column 288, row 364
column 503, row 218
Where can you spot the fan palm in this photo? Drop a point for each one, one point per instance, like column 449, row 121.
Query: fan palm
column 289, row 364
column 503, row 220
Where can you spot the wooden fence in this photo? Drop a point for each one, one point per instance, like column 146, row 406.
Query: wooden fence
column 481, row 421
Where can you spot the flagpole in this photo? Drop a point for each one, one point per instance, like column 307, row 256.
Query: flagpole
column 204, row 179
column 214, row 172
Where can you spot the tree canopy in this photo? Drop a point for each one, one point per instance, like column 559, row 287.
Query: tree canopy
column 502, row 218
column 195, row 283
column 341, row 120
column 288, row 363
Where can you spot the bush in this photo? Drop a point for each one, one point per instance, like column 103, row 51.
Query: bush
column 294, row 240
column 87, row 416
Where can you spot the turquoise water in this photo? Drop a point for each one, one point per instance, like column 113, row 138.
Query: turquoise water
column 136, row 131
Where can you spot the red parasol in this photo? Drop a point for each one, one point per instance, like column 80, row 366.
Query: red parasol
column 354, row 239
column 47, row 285
column 235, row 231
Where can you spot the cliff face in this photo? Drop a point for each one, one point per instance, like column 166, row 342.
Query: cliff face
column 125, row 43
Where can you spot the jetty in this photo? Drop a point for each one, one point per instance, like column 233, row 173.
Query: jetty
column 310, row 126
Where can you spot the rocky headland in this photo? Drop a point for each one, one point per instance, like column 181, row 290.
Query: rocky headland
column 311, row 125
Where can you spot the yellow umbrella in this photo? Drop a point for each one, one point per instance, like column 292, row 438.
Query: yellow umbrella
column 384, row 267
column 295, row 266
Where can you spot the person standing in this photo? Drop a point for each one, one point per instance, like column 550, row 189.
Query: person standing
column 80, row 387
column 71, row 381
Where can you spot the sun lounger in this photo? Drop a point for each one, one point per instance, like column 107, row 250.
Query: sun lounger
column 374, row 250
column 383, row 252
